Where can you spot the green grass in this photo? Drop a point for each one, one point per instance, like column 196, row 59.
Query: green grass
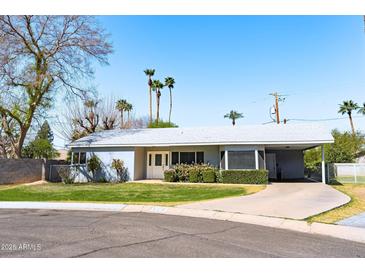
column 350, row 179
column 355, row 206
column 137, row 193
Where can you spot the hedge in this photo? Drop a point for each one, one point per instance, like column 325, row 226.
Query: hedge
column 194, row 176
column 208, row 176
column 246, row 176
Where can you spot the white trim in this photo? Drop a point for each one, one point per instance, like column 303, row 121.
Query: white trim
column 318, row 142
column 226, row 159
column 256, row 159
column 323, row 166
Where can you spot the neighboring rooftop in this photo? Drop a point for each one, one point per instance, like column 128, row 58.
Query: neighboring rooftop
column 224, row 135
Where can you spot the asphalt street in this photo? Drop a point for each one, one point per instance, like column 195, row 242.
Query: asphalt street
column 53, row 233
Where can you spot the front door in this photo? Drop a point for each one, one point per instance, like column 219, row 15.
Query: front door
column 157, row 163
column 271, row 164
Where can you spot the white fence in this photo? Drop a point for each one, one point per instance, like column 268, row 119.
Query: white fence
column 349, row 172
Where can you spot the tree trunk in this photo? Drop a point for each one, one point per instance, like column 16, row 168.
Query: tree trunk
column 150, row 90
column 157, row 106
column 352, row 124
column 129, row 119
column 233, row 122
column 170, row 107
column 121, row 120
column 19, row 145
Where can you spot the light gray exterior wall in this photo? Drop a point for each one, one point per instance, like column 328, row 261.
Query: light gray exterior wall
column 106, row 155
column 140, row 163
column 291, row 163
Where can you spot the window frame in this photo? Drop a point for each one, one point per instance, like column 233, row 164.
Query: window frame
column 179, row 157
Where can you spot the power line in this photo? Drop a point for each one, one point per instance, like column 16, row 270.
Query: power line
column 324, row 119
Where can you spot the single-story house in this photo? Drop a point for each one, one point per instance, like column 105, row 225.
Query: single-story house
column 148, row 152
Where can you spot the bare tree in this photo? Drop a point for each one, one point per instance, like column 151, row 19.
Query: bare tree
column 39, row 57
column 81, row 119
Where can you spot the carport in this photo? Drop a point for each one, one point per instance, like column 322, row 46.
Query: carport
column 286, row 163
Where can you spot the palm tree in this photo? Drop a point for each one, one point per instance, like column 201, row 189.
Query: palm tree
column 157, row 86
column 121, row 106
column 169, row 82
column 149, row 73
column 233, row 115
column 128, row 109
column 348, row 107
column 362, row 109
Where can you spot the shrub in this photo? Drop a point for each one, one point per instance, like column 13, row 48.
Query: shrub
column 209, row 175
column 194, row 175
column 68, row 174
column 182, row 172
column 245, row 176
column 121, row 170
column 170, row 175
column 93, row 165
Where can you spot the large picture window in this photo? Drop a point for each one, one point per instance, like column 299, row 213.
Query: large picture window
column 187, row 158
column 241, row 160
column 190, row 157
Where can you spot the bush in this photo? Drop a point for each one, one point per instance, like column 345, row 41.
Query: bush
column 194, row 175
column 182, row 172
column 121, row 170
column 68, row 174
column 209, row 176
column 93, row 165
column 245, row 176
column 170, row 175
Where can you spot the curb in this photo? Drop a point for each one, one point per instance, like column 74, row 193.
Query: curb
column 355, row 234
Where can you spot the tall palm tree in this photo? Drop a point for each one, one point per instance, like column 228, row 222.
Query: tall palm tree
column 233, row 115
column 121, row 107
column 348, row 107
column 149, row 73
column 157, row 86
column 169, row 82
column 128, row 109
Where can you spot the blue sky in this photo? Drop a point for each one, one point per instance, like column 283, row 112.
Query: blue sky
column 233, row 62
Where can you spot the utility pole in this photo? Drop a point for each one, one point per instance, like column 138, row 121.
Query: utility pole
column 278, row 97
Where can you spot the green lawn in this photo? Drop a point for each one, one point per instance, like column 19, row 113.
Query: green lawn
column 355, row 206
column 138, row 193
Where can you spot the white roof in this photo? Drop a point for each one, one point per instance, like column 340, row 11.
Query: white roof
column 271, row 134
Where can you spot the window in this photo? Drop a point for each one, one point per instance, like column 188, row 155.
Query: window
column 76, row 158
column 187, row 157
column 79, row 158
column 261, row 159
column 158, row 159
column 174, row 158
column 150, row 159
column 241, row 160
column 166, row 159
column 82, row 158
column 200, row 157
column 223, row 160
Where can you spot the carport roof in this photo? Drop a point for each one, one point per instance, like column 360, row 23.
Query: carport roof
column 271, row 134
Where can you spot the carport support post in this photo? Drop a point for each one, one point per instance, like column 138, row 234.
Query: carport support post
column 256, row 159
column 226, row 159
column 323, row 166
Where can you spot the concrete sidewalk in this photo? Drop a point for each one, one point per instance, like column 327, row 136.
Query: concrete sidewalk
column 283, row 200
column 344, row 232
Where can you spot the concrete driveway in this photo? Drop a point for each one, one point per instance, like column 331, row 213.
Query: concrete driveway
column 287, row 200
